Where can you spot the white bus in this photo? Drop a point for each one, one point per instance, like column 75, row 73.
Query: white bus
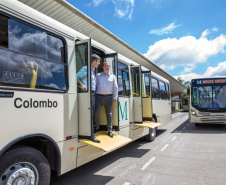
column 207, row 101
column 45, row 116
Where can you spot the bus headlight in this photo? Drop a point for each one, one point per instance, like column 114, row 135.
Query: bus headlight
column 193, row 113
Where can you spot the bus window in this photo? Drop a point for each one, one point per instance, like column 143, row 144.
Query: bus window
column 163, row 90
column 136, row 82
column 146, row 91
column 123, row 80
column 32, row 61
column 167, row 90
column 155, row 88
column 81, row 67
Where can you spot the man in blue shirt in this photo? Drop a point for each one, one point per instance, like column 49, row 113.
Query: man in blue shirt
column 106, row 88
column 82, row 80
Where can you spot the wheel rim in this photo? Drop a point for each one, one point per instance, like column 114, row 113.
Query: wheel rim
column 153, row 132
column 20, row 174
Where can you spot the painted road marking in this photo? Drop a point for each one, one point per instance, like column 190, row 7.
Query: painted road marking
column 148, row 163
column 164, row 147
column 174, row 138
column 126, row 183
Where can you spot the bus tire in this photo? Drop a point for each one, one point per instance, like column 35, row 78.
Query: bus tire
column 24, row 166
column 152, row 133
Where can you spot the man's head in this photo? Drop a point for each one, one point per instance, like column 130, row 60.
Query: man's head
column 106, row 67
column 95, row 61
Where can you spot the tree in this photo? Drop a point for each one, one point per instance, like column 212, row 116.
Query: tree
column 185, row 83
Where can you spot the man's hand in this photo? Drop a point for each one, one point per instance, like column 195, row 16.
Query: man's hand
column 114, row 101
column 84, row 88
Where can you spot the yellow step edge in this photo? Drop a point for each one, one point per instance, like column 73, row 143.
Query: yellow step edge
column 107, row 143
column 148, row 124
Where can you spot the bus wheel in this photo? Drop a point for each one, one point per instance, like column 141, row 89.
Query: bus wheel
column 24, row 166
column 152, row 134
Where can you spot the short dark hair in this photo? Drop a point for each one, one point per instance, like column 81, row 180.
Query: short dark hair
column 95, row 57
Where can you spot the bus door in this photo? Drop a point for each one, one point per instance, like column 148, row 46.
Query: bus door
column 113, row 61
column 146, row 96
column 137, row 94
column 83, row 76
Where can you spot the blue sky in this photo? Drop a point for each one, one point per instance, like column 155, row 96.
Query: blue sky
column 185, row 38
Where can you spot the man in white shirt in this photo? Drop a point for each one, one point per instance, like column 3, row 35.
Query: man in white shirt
column 106, row 88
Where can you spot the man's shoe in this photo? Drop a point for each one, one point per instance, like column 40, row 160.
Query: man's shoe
column 110, row 134
column 94, row 139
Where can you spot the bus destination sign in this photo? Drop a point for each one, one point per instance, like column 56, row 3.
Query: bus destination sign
column 209, row 81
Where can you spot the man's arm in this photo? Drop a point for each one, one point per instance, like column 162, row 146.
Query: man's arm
column 82, row 85
column 81, row 74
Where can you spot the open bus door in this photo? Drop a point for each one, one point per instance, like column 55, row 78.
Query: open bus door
column 112, row 59
column 147, row 107
column 137, row 94
column 83, row 74
column 107, row 143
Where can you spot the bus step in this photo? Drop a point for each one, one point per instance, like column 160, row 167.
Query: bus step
column 107, row 143
column 148, row 124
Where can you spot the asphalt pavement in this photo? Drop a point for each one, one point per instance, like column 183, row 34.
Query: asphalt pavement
column 181, row 154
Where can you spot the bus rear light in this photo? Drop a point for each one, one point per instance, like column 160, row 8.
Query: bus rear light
column 68, row 137
column 71, row 137
column 71, row 149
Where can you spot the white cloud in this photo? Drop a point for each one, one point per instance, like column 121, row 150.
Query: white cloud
column 187, row 70
column 186, row 51
column 164, row 30
column 97, row 2
column 209, row 31
column 123, row 8
column 219, row 70
column 188, row 77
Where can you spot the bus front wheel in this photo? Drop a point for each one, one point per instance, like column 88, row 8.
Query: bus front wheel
column 24, row 166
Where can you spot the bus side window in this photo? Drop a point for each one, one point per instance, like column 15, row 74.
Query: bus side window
column 35, row 60
column 155, row 88
column 135, row 82
column 167, row 90
column 81, row 67
column 123, row 80
column 145, row 85
column 163, row 90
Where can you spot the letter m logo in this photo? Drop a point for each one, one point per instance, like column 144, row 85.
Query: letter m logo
column 123, row 112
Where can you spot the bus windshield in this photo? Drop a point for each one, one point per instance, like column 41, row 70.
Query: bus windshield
column 211, row 97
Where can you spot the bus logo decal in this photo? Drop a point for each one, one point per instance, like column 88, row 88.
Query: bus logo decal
column 19, row 103
column 124, row 112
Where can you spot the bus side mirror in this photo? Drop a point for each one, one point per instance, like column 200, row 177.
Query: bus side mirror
column 188, row 91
